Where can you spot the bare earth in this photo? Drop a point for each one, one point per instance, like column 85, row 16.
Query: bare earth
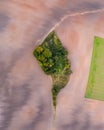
column 74, row 111
column 25, row 91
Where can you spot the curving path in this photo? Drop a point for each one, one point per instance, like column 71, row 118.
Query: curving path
column 25, row 91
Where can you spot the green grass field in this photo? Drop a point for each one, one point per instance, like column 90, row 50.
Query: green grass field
column 95, row 86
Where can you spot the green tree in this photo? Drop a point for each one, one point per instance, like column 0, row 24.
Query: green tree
column 52, row 57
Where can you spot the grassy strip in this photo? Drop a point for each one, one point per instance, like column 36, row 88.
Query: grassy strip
column 52, row 57
column 95, row 86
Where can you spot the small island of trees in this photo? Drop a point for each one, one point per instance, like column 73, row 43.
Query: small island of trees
column 52, row 57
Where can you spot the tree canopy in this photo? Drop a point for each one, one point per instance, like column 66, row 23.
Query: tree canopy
column 52, row 57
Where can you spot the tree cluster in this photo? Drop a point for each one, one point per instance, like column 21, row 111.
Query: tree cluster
column 52, row 57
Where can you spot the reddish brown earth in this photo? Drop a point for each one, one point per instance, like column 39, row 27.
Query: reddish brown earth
column 25, row 91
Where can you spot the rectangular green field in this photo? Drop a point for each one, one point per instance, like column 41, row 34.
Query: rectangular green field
column 95, row 86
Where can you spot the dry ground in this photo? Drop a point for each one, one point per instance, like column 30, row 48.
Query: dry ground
column 25, row 91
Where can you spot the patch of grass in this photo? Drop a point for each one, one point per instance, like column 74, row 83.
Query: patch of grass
column 95, row 86
column 52, row 57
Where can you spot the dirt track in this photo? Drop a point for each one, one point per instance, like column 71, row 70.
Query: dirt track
column 77, row 34
column 25, row 91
